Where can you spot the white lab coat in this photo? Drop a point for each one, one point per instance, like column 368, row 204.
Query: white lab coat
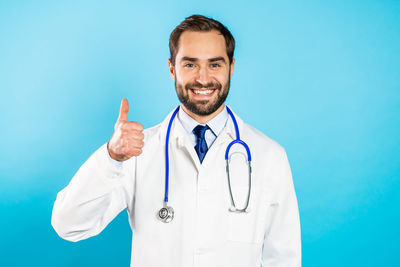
column 203, row 233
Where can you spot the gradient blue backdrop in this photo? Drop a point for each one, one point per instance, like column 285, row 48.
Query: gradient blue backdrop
column 321, row 78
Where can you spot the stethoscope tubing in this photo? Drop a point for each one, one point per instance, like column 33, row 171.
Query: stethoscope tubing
column 167, row 155
column 236, row 141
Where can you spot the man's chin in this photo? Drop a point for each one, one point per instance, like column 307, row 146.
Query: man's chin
column 202, row 109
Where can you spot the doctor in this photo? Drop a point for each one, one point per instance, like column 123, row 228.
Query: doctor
column 129, row 172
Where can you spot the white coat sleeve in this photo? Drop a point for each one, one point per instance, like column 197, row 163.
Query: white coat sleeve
column 97, row 193
column 282, row 243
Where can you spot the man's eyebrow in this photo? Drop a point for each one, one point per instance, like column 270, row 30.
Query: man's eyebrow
column 216, row 59
column 192, row 59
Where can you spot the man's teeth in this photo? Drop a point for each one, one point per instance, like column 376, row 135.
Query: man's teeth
column 203, row 92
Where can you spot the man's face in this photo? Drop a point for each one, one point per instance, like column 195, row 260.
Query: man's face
column 202, row 71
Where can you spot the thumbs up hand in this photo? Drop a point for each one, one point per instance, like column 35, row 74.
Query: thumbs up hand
column 127, row 139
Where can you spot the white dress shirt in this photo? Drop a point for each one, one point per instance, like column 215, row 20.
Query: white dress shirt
column 216, row 125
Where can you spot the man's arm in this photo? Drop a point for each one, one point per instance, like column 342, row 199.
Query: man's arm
column 102, row 187
column 282, row 244
column 97, row 193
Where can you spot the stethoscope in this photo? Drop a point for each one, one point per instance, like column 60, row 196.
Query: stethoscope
column 166, row 213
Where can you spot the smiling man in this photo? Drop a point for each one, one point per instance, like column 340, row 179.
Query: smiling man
column 188, row 205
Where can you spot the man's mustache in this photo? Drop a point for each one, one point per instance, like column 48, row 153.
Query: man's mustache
column 198, row 85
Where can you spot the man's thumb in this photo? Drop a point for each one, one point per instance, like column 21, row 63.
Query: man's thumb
column 123, row 111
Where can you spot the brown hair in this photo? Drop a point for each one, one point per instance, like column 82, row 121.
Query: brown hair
column 200, row 23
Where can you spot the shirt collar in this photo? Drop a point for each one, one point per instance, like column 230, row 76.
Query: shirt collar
column 179, row 132
column 216, row 124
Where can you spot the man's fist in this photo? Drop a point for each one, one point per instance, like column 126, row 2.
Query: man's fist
column 127, row 139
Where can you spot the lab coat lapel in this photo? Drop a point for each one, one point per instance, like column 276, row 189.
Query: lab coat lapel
column 184, row 143
column 179, row 139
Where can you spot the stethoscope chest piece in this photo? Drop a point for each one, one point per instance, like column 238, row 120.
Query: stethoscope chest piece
column 166, row 214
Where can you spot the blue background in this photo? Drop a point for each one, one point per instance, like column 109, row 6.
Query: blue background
column 321, row 78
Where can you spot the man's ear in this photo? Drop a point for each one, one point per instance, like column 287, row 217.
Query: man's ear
column 171, row 69
column 232, row 67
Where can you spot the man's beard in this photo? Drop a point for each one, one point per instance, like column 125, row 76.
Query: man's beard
column 202, row 107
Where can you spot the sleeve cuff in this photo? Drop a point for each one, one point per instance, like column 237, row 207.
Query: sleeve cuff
column 111, row 167
column 114, row 162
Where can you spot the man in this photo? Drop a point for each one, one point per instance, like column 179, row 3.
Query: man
column 129, row 172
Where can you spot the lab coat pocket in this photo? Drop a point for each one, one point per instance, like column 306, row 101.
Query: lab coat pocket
column 249, row 227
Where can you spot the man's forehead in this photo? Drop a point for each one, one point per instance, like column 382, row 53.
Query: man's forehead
column 192, row 34
column 202, row 45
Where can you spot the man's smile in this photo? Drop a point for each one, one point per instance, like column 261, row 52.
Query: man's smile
column 202, row 93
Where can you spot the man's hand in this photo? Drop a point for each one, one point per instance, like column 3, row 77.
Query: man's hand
column 127, row 139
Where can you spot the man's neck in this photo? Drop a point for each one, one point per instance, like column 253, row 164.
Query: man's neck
column 204, row 119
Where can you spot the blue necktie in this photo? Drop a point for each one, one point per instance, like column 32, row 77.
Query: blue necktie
column 201, row 145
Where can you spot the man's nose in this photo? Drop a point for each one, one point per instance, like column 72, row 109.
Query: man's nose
column 203, row 76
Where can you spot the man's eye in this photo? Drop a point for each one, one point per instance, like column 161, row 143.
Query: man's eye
column 189, row 65
column 215, row 65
